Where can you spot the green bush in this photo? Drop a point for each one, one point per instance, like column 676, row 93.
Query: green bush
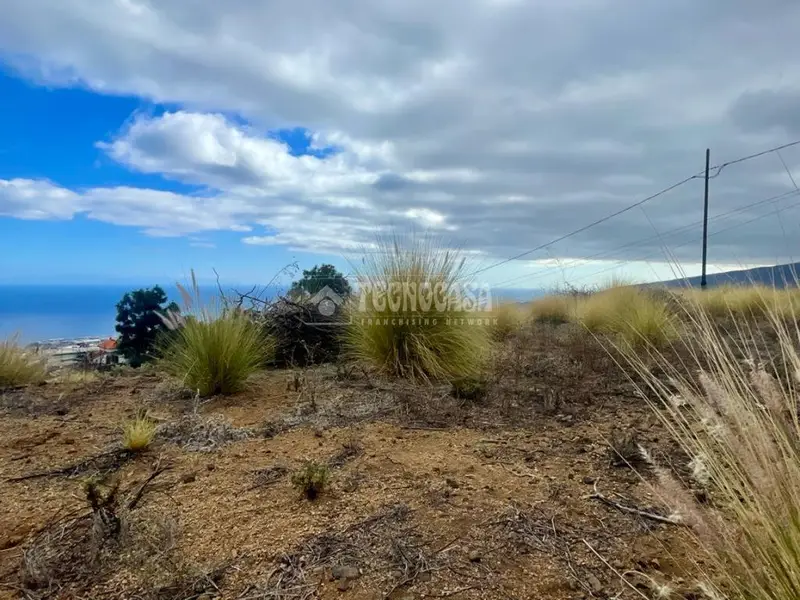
column 312, row 479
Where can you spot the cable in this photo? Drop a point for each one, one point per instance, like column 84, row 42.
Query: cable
column 671, row 232
column 585, row 227
column 622, row 262
column 718, row 168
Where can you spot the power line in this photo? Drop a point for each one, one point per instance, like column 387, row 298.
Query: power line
column 671, row 232
column 718, row 169
column 585, row 227
column 621, row 263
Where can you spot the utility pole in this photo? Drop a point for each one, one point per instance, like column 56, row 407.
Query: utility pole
column 705, row 221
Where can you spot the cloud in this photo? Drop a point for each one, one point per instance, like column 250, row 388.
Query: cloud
column 500, row 124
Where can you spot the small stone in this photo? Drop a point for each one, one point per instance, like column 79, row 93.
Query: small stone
column 318, row 432
column 594, row 584
column 211, row 466
column 189, row 477
column 345, row 572
column 343, row 585
column 588, row 480
column 475, row 556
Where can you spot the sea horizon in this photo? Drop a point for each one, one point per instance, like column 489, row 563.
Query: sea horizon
column 40, row 312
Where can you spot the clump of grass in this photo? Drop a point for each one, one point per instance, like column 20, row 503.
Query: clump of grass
column 212, row 350
column 19, row 366
column 744, row 300
column 137, row 434
column 555, row 309
column 638, row 317
column 739, row 425
column 311, row 479
column 507, row 318
column 407, row 321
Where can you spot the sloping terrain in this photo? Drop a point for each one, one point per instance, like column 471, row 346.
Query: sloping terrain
column 513, row 493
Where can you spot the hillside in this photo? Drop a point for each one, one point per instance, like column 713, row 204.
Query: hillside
column 778, row 276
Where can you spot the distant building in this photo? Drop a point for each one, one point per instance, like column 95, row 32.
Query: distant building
column 86, row 352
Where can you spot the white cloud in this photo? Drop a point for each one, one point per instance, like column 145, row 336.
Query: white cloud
column 504, row 123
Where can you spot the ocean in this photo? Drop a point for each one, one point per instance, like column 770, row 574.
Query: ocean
column 36, row 313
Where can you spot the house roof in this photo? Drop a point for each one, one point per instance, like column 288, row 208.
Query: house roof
column 109, row 344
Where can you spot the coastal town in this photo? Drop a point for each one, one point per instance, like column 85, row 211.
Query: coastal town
column 89, row 351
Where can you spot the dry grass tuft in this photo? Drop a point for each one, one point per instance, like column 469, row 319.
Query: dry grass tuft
column 213, row 350
column 19, row 366
column 740, row 425
column 746, row 301
column 556, row 309
column 404, row 322
column 509, row 318
column 639, row 317
column 137, row 434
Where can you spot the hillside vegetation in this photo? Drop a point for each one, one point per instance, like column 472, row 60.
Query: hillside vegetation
column 626, row 443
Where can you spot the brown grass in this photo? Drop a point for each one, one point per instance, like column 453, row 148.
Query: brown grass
column 553, row 309
column 19, row 366
column 740, row 426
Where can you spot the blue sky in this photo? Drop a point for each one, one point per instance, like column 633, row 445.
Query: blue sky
column 52, row 133
column 141, row 139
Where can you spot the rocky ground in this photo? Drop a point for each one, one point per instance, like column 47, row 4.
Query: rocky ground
column 512, row 494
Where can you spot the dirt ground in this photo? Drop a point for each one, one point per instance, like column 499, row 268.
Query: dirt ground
column 431, row 496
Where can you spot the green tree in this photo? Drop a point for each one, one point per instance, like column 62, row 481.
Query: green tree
column 315, row 279
column 139, row 324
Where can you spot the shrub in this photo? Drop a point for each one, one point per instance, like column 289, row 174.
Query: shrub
column 740, row 427
column 311, row 479
column 302, row 335
column 637, row 316
column 554, row 309
column 19, row 366
column 392, row 330
column 138, row 433
column 509, row 317
column 213, row 351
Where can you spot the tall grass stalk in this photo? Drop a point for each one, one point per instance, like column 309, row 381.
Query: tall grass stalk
column 212, row 349
column 19, row 366
column 413, row 338
column 738, row 421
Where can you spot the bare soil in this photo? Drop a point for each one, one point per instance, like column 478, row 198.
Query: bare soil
column 431, row 496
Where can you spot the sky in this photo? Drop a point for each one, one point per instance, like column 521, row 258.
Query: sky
column 140, row 139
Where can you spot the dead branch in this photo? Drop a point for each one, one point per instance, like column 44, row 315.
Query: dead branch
column 157, row 470
column 70, row 469
column 632, row 510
